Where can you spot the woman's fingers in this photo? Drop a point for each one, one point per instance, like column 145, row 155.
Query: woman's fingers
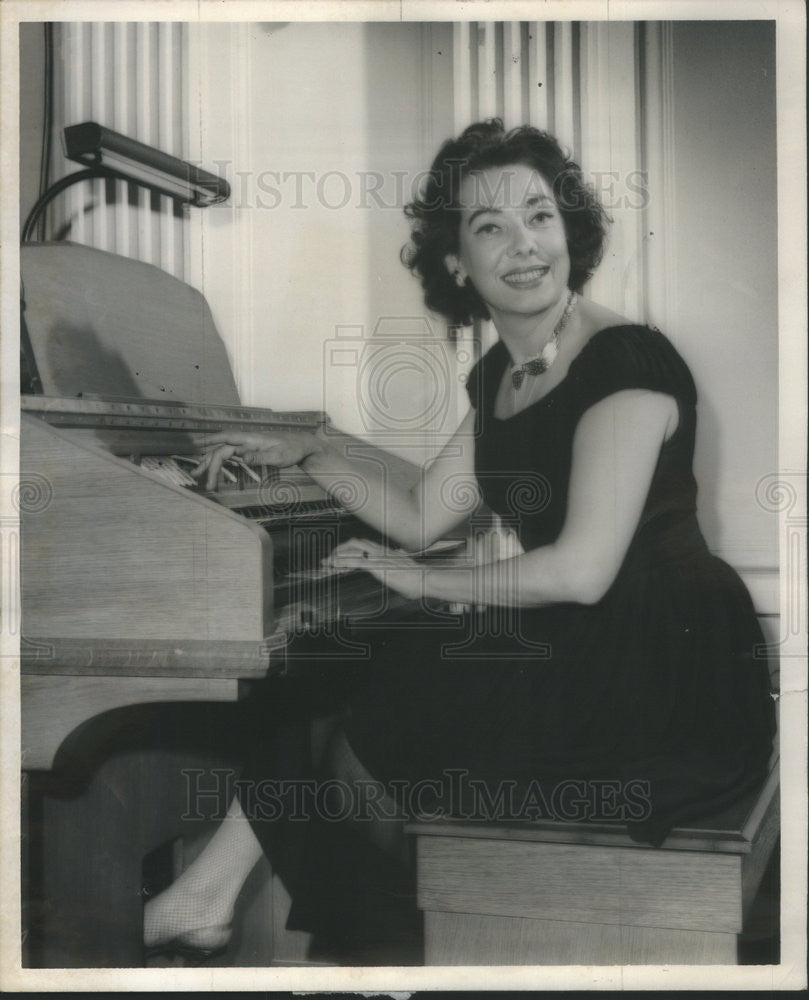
column 202, row 465
column 393, row 568
column 267, row 449
column 211, row 463
column 360, row 553
column 214, row 438
column 358, row 547
column 347, row 554
column 219, row 456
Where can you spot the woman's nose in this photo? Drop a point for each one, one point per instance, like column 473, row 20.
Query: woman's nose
column 523, row 240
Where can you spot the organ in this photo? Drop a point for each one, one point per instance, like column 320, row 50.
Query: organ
column 130, row 569
column 133, row 553
column 138, row 585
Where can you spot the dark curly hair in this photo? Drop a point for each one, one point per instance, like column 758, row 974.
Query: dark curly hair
column 435, row 217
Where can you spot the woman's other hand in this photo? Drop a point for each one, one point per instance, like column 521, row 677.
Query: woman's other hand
column 278, row 448
column 394, row 567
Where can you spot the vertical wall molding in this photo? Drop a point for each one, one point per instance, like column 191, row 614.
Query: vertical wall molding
column 518, row 71
column 219, row 115
column 425, row 81
column 657, row 141
column 128, row 77
column 610, row 153
column 242, row 125
column 489, row 103
column 537, row 84
column 462, row 74
column 512, row 72
column 564, row 115
column 581, row 82
column 196, row 83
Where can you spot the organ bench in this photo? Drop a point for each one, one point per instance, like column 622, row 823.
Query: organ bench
column 561, row 893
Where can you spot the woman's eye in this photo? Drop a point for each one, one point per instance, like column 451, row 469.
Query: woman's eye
column 542, row 217
column 487, row 229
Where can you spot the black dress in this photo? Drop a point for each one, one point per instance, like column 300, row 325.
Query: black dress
column 651, row 705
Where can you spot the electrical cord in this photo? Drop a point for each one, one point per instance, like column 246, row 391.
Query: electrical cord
column 47, row 123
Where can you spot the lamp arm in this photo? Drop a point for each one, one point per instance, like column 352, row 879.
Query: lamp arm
column 53, row 191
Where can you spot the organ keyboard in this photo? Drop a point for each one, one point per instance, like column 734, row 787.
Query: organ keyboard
column 127, row 553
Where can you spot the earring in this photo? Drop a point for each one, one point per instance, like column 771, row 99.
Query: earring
column 460, row 281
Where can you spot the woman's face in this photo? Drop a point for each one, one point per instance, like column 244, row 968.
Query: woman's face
column 512, row 241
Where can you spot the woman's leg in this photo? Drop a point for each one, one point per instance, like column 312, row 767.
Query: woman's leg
column 198, row 907
column 381, row 825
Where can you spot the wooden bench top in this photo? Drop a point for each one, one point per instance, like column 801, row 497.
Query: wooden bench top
column 732, row 830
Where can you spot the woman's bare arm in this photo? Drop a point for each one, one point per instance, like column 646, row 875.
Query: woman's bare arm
column 615, row 451
column 443, row 496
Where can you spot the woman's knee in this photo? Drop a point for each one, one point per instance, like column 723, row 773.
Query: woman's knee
column 372, row 808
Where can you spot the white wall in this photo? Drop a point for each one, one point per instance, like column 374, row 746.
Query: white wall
column 313, row 121
column 725, row 250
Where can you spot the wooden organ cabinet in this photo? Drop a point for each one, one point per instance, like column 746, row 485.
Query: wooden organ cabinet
column 139, row 587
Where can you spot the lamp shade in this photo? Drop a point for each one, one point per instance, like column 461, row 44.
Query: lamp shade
column 93, row 145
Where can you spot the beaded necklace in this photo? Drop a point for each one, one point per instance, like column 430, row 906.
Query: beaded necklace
column 542, row 361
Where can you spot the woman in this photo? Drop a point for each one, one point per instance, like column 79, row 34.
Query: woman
column 627, row 657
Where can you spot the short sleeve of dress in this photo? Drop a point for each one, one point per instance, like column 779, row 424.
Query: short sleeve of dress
column 481, row 383
column 473, row 385
column 631, row 357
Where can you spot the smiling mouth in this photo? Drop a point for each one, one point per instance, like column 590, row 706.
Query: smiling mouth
column 525, row 277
